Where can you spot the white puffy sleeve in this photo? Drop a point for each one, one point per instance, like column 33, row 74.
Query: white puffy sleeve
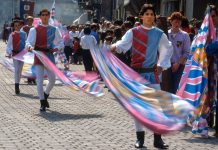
column 165, row 49
column 31, row 40
column 125, row 43
column 58, row 41
column 9, row 45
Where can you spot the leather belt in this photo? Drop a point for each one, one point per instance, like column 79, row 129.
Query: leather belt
column 86, row 49
column 40, row 49
column 144, row 70
column 16, row 52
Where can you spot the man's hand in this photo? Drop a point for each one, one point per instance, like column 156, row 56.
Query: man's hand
column 159, row 70
column 112, row 47
column 30, row 49
column 175, row 67
column 10, row 55
column 53, row 50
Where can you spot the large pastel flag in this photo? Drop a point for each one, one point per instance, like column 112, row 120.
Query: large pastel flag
column 84, row 83
column 157, row 110
column 194, row 82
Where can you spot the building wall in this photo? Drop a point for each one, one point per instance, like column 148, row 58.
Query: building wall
column 107, row 8
column 200, row 7
column 66, row 11
column 189, row 9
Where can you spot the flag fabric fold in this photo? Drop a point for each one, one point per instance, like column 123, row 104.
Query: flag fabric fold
column 157, row 110
column 194, row 82
column 76, row 82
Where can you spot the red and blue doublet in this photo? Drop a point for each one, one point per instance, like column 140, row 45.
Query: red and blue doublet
column 18, row 42
column 26, row 29
column 44, row 40
column 145, row 50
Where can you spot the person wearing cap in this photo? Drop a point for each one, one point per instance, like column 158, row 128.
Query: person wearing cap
column 26, row 28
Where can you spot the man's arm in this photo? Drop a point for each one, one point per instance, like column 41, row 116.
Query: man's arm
column 165, row 52
column 31, row 40
column 212, row 48
column 123, row 45
column 10, row 45
column 58, row 41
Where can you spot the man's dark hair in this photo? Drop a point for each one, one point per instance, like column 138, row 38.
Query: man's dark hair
column 95, row 20
column 22, row 22
column 44, row 10
column 128, row 24
column 108, row 38
column 191, row 35
column 93, row 26
column 213, row 7
column 146, row 7
column 118, row 33
column 119, row 22
column 87, row 30
column 76, row 37
column 109, row 31
column 131, row 19
column 185, row 22
column 14, row 21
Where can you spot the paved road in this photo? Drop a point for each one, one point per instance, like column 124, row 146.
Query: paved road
column 74, row 120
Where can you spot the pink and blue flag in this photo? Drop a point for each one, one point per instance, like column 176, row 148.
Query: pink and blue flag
column 194, row 82
column 52, row 11
column 159, row 111
column 85, row 83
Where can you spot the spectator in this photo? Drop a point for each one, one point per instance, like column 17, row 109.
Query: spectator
column 131, row 19
column 158, row 21
column 93, row 32
column 6, row 32
column 185, row 25
column 16, row 17
column 87, row 41
column 181, row 49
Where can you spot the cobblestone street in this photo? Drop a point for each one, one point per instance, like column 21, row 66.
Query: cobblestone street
column 74, row 121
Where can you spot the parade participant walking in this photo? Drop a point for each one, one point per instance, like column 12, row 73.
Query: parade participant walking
column 26, row 28
column 147, row 42
column 87, row 41
column 41, row 38
column 181, row 49
column 16, row 43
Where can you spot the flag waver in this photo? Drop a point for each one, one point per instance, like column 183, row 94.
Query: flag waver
column 157, row 110
column 194, row 82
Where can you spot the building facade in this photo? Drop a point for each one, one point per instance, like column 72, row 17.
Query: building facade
column 189, row 8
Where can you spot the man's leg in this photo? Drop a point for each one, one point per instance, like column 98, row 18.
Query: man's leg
column 16, row 75
column 20, row 68
column 51, row 81
column 140, row 135
column 90, row 61
column 175, row 78
column 40, row 79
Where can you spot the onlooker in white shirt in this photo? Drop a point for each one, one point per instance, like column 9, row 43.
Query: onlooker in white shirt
column 87, row 41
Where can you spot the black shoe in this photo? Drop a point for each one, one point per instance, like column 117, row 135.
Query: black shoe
column 46, row 100
column 140, row 139
column 17, row 90
column 34, row 81
column 158, row 142
column 42, row 105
